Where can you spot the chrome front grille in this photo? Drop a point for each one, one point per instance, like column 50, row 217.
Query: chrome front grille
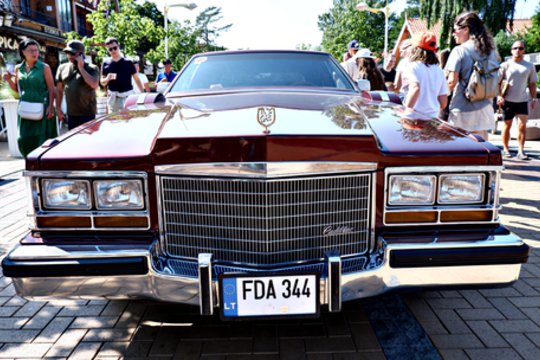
column 266, row 221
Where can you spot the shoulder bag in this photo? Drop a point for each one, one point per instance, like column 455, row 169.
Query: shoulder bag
column 29, row 110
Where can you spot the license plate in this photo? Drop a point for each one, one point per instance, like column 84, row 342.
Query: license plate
column 246, row 295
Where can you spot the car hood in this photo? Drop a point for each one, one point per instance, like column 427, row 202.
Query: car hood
column 145, row 130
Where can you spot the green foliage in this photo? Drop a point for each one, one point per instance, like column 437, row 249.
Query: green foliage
column 494, row 13
column 308, row 47
column 127, row 25
column 533, row 35
column 140, row 31
column 411, row 11
column 6, row 93
column 343, row 23
column 206, row 29
column 504, row 42
column 149, row 10
column 182, row 45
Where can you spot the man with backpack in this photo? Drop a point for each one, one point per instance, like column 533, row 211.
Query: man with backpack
column 517, row 75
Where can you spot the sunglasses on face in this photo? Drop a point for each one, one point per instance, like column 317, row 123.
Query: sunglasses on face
column 112, row 48
column 518, row 48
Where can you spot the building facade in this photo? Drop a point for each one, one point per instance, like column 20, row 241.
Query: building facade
column 46, row 21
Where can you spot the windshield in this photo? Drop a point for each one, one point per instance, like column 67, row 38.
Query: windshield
column 282, row 69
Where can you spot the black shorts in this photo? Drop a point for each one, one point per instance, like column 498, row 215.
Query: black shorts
column 511, row 109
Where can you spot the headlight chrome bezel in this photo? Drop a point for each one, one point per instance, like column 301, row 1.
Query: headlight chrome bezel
column 98, row 197
column 481, row 190
column 440, row 176
column 430, row 200
column 46, row 199
column 41, row 202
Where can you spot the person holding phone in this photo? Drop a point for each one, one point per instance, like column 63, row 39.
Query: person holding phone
column 79, row 81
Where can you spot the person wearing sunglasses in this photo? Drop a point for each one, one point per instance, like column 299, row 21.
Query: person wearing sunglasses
column 474, row 43
column 78, row 80
column 117, row 74
column 518, row 75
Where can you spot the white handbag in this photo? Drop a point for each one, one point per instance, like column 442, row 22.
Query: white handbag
column 30, row 110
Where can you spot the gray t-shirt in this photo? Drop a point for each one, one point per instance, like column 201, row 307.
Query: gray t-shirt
column 461, row 60
column 518, row 75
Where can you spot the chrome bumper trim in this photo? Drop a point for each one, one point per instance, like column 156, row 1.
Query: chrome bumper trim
column 206, row 303
column 334, row 284
column 165, row 286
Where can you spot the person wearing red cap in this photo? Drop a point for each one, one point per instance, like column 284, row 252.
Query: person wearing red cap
column 428, row 92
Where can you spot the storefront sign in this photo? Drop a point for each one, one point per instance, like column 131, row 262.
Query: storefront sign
column 51, row 31
column 9, row 42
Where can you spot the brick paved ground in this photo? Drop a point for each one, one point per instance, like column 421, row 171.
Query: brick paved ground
column 80, row 329
column 494, row 323
column 474, row 323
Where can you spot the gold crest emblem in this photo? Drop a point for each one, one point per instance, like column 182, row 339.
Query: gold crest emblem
column 266, row 116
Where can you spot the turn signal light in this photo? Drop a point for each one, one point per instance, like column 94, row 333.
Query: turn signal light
column 474, row 215
column 121, row 222
column 63, row 222
column 411, row 217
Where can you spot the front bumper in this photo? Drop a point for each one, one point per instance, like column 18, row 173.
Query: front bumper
column 136, row 271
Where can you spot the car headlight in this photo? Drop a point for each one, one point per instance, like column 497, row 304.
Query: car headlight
column 119, row 194
column 66, row 194
column 411, row 190
column 461, row 188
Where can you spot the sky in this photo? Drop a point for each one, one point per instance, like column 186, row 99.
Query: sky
column 279, row 24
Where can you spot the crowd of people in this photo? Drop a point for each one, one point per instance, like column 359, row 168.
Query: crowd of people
column 441, row 83
column 76, row 81
column 432, row 83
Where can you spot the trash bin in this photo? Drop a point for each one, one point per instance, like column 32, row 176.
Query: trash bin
column 10, row 113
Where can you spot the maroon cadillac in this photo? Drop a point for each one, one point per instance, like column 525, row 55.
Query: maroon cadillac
column 263, row 184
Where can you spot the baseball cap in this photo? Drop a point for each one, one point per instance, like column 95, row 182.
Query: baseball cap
column 74, row 46
column 168, row 61
column 425, row 40
column 353, row 45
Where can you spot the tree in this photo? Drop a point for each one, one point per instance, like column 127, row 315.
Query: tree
column 533, row 35
column 504, row 41
column 208, row 32
column 149, row 10
column 308, row 47
column 182, row 45
column 344, row 23
column 127, row 25
column 494, row 13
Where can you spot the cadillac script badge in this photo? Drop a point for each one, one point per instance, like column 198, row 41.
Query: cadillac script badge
column 266, row 116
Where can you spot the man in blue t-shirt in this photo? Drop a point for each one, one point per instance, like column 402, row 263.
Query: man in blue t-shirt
column 168, row 75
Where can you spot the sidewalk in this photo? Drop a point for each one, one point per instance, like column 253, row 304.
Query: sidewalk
column 462, row 324
column 495, row 323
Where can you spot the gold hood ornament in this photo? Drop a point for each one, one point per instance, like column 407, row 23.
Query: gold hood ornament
column 266, row 116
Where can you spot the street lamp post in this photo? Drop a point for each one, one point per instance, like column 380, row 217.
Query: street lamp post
column 384, row 10
column 166, row 20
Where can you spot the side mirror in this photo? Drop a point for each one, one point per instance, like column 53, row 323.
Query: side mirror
column 363, row 85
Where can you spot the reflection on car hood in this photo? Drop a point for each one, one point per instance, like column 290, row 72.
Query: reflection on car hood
column 310, row 113
column 263, row 113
